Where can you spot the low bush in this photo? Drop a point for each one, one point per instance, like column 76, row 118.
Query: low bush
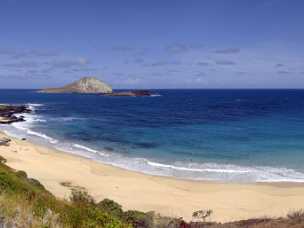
column 138, row 218
column 81, row 197
column 111, row 207
column 21, row 174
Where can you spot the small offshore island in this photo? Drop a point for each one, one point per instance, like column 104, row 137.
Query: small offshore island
column 91, row 85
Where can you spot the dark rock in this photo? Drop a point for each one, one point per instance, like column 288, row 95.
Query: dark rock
column 135, row 93
column 107, row 148
column 147, row 145
column 142, row 93
column 7, row 113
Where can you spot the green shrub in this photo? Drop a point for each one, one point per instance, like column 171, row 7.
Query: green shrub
column 138, row 218
column 9, row 182
column 40, row 207
column 88, row 215
column 36, row 183
column 98, row 218
column 21, row 174
column 111, row 207
column 80, row 196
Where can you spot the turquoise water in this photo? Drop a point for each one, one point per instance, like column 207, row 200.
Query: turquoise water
column 223, row 135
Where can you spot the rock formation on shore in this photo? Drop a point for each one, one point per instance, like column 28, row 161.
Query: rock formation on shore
column 7, row 113
column 84, row 85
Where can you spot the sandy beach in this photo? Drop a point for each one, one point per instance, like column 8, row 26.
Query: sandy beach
column 167, row 196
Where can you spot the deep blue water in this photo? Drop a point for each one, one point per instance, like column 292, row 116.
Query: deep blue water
column 227, row 135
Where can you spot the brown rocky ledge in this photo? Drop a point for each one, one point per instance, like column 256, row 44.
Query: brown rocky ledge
column 7, row 113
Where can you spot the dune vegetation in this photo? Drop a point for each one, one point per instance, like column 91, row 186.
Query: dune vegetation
column 24, row 202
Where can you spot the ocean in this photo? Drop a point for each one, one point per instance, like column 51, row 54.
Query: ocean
column 218, row 135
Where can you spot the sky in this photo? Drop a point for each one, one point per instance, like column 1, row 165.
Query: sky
column 153, row 44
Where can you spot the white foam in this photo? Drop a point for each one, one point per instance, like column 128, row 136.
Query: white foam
column 41, row 135
column 66, row 119
column 26, row 126
column 88, row 149
column 33, row 106
column 196, row 169
column 225, row 172
column 19, row 126
column 30, row 119
column 290, row 180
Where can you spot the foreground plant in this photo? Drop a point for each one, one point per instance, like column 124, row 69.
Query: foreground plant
column 202, row 214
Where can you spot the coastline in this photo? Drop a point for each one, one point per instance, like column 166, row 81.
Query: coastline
column 166, row 195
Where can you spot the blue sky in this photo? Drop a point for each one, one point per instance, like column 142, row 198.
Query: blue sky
column 153, row 44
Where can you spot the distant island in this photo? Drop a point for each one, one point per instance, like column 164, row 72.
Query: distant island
column 84, row 85
column 91, row 85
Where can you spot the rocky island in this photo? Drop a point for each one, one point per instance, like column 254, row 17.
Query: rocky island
column 84, row 85
column 91, row 85
column 7, row 113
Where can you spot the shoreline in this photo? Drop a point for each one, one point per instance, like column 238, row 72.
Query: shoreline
column 222, row 172
column 168, row 196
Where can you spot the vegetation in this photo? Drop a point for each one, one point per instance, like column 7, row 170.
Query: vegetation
column 202, row 214
column 24, row 202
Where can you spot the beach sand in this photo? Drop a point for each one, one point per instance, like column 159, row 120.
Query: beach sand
column 168, row 196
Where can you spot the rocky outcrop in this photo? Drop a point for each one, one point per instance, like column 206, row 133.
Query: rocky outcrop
column 84, row 85
column 135, row 93
column 7, row 113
